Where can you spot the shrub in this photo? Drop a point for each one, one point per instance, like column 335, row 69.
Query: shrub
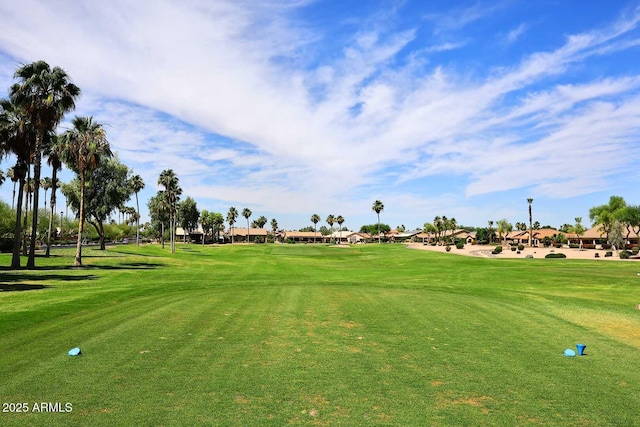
column 447, row 248
column 624, row 254
column 606, row 246
column 556, row 255
column 573, row 246
column 498, row 249
column 521, row 247
column 597, row 255
column 513, row 248
column 635, row 250
column 460, row 244
column 558, row 245
column 608, row 254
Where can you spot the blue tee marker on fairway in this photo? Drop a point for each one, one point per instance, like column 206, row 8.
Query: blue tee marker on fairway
column 75, row 351
column 569, row 353
column 581, row 348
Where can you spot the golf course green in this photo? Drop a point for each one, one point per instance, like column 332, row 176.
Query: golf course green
column 317, row 335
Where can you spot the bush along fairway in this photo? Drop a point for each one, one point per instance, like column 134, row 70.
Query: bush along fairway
column 314, row 334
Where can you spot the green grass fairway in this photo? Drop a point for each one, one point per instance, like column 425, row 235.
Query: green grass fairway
column 318, row 335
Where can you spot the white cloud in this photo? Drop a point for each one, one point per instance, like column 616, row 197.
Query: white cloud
column 515, row 34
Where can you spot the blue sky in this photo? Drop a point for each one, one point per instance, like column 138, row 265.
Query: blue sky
column 290, row 108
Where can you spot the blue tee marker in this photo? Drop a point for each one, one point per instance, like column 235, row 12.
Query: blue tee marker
column 75, row 352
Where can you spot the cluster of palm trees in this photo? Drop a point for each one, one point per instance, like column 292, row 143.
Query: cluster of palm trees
column 29, row 118
column 440, row 226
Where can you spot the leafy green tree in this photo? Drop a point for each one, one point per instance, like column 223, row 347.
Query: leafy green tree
column 616, row 235
column 85, row 147
column 211, row 222
column 137, row 184
column 169, row 180
column 429, row 228
column 630, row 217
column 315, row 219
column 7, row 220
column 372, row 229
column 105, row 188
column 607, row 214
column 378, row 207
column 504, row 226
column 188, row 215
column 43, row 95
column 246, row 212
column 159, row 212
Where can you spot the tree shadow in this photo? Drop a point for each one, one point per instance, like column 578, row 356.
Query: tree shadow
column 24, row 275
column 5, row 287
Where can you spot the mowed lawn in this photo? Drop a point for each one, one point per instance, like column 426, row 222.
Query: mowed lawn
column 319, row 335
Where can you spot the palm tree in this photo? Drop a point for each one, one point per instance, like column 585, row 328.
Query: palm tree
column 11, row 174
column 453, row 224
column 16, row 136
column 232, row 215
column 315, row 219
column 490, row 231
column 44, row 95
column 246, row 212
column 330, row 220
column 378, row 207
column 274, row 228
column 261, row 221
column 579, row 230
column 2, row 177
column 530, row 201
column 340, row 220
column 85, row 147
column 137, row 184
column 504, row 226
column 169, row 180
column 53, row 151
column 437, row 223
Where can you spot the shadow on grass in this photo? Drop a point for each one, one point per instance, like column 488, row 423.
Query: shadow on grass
column 4, row 287
column 26, row 275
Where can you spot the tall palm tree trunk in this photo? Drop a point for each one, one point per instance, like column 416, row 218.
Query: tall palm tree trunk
column 31, row 261
column 78, row 259
column 52, row 207
column 26, row 215
column 15, row 259
column 137, row 221
column 14, row 195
